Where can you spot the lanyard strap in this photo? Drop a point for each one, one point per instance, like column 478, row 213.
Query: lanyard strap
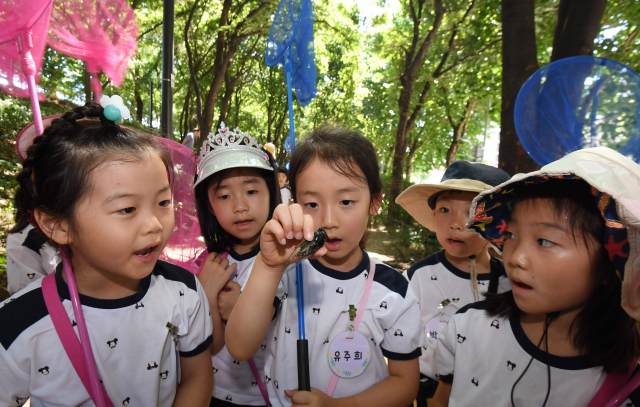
column 611, row 386
column 361, row 307
column 68, row 336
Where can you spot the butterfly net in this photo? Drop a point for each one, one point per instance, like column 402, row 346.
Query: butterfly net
column 184, row 246
column 579, row 102
column 293, row 27
column 17, row 17
column 102, row 33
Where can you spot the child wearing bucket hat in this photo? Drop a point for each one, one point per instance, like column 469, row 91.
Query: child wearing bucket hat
column 570, row 238
column 236, row 193
column 447, row 281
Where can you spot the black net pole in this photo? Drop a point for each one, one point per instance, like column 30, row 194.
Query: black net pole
column 166, row 117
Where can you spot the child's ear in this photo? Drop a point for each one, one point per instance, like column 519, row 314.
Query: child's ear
column 376, row 202
column 54, row 229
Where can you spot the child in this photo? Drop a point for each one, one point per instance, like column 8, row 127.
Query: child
column 236, row 193
column 336, row 182
column 565, row 232
column 449, row 280
column 29, row 256
column 285, row 192
column 102, row 192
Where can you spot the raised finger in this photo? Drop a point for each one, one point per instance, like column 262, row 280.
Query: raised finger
column 282, row 214
column 308, row 227
column 274, row 227
column 297, row 218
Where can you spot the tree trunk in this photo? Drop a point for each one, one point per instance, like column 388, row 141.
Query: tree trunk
column 413, row 60
column 577, row 27
column 459, row 131
column 519, row 61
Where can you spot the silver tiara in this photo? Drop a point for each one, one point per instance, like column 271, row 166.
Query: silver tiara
column 226, row 139
column 240, row 150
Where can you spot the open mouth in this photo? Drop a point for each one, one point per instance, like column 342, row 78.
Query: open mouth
column 145, row 252
column 333, row 243
column 455, row 242
column 244, row 224
column 522, row 285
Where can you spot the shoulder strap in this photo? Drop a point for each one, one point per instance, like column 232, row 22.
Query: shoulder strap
column 494, row 277
column 361, row 307
column 609, row 394
column 67, row 335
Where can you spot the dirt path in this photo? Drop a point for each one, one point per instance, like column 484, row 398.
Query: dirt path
column 388, row 248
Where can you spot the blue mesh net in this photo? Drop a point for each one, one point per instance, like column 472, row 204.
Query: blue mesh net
column 579, row 102
column 293, row 27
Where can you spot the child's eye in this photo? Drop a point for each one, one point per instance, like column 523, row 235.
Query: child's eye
column 252, row 192
column 545, row 243
column 127, row 211
column 347, row 202
column 444, row 210
column 509, row 235
column 165, row 203
column 223, row 197
column 311, row 205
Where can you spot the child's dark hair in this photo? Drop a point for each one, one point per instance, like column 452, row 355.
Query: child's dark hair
column 602, row 331
column 346, row 151
column 56, row 174
column 215, row 237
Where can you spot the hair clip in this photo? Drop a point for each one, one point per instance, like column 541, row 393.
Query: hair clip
column 114, row 108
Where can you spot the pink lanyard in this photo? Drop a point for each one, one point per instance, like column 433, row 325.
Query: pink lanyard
column 361, row 307
column 85, row 366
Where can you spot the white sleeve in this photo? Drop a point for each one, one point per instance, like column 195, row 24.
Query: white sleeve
column 25, row 265
column 403, row 336
column 14, row 382
column 198, row 336
column 446, row 351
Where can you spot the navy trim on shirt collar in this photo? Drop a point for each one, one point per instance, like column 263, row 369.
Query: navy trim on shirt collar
column 241, row 257
column 462, row 274
column 559, row 362
column 63, row 292
column 340, row 275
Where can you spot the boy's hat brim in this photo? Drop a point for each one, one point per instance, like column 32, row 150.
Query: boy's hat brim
column 419, row 200
column 416, row 199
column 615, row 181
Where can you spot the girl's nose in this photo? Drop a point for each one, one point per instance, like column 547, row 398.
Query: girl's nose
column 329, row 219
column 516, row 255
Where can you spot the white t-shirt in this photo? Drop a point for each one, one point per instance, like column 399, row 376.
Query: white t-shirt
column 29, row 258
column 136, row 354
column 233, row 381
column 190, row 140
column 285, row 195
column 433, row 280
column 388, row 323
column 484, row 357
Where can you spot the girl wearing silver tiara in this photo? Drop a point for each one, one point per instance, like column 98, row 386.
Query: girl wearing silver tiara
column 236, row 193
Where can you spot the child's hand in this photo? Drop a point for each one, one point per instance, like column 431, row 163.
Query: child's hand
column 227, row 299
column 215, row 274
column 314, row 398
column 288, row 227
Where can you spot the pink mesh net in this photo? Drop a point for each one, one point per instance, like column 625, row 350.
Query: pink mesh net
column 103, row 33
column 18, row 17
column 184, row 247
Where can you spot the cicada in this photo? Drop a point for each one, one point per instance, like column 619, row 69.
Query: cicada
column 306, row 249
